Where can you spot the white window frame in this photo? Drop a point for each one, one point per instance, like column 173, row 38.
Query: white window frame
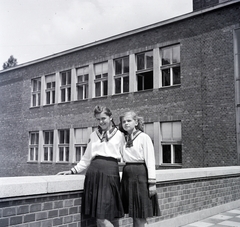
column 48, row 146
column 122, row 75
column 171, row 65
column 65, row 88
column 64, row 146
column 146, row 69
column 33, row 147
column 101, row 77
column 171, row 140
column 51, row 90
column 36, row 92
column 81, row 137
column 84, row 83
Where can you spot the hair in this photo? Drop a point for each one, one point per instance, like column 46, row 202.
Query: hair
column 103, row 109
column 135, row 117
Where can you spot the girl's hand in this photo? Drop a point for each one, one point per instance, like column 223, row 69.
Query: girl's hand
column 68, row 172
column 152, row 190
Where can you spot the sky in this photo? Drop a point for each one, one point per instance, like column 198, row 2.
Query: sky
column 32, row 29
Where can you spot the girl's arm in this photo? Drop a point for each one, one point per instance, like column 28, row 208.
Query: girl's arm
column 149, row 156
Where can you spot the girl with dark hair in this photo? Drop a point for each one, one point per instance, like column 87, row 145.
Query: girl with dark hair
column 101, row 198
column 138, row 186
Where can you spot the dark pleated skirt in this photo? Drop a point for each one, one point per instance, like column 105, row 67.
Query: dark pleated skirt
column 101, row 197
column 135, row 194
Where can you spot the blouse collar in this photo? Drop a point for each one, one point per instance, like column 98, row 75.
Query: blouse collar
column 106, row 135
column 130, row 137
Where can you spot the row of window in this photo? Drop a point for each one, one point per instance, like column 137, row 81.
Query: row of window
column 68, row 145
column 130, row 73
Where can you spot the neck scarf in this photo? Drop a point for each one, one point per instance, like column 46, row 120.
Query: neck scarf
column 130, row 137
column 106, row 135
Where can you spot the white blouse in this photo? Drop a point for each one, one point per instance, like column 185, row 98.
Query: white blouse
column 142, row 150
column 95, row 147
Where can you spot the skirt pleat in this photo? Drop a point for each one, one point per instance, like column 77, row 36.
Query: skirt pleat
column 101, row 197
column 135, row 194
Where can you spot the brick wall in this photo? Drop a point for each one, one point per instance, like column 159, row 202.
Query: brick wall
column 204, row 103
column 180, row 192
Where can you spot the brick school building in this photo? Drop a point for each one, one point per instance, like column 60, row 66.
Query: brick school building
column 182, row 75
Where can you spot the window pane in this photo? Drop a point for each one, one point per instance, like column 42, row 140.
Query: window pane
column 67, row 136
column 49, row 85
column 166, row 54
column 63, row 98
column 149, row 59
column 98, row 69
column 166, row 77
column 177, row 154
column 39, row 99
column 78, row 154
column 86, row 77
column 61, row 135
column 176, row 75
column 51, row 137
column 118, row 85
column 34, row 85
column 64, row 79
column 37, row 138
column 140, row 61
column 51, row 154
column 166, row 153
column 148, row 128
column 126, row 65
column 31, row 154
column 98, row 89
column 34, row 100
column 48, row 97
column 126, row 84
column 80, row 79
column 105, row 87
column 177, row 131
column 36, row 154
column 86, row 91
column 39, row 85
column 53, row 96
column 32, row 138
column 104, row 67
column 166, row 128
column 53, row 84
column 69, row 77
column 140, row 82
column 176, row 54
column 69, row 94
column 67, row 154
column 60, row 153
column 80, row 92
column 118, row 66
column 46, row 138
column 45, row 154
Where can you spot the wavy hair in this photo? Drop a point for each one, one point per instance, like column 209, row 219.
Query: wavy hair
column 138, row 119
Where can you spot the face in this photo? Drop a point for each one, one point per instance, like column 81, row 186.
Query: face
column 104, row 121
column 128, row 123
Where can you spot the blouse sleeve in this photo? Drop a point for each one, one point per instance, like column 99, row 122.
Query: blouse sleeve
column 85, row 160
column 149, row 156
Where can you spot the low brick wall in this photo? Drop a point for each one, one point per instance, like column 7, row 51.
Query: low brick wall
column 56, row 200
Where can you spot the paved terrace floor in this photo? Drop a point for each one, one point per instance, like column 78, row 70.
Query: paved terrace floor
column 229, row 218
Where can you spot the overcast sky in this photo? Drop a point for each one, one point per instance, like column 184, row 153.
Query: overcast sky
column 32, row 29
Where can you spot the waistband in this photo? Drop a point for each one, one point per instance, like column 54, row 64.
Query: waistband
column 135, row 163
column 105, row 158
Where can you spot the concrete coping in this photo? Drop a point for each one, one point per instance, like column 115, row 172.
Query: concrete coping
column 38, row 185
